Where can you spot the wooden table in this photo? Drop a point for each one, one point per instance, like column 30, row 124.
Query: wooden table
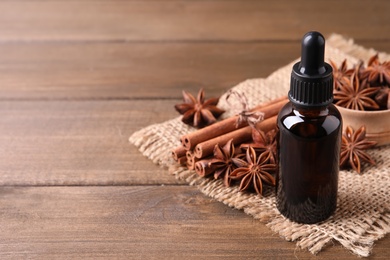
column 77, row 78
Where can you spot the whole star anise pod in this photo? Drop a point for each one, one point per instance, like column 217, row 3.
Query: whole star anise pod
column 340, row 73
column 352, row 146
column 254, row 171
column 355, row 94
column 377, row 73
column 198, row 112
column 263, row 143
column 223, row 161
column 382, row 98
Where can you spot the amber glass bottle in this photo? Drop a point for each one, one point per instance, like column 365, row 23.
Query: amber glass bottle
column 309, row 139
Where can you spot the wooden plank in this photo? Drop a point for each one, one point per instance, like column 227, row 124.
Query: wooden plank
column 116, row 70
column 70, row 76
column 170, row 222
column 78, row 142
column 107, row 70
column 190, row 20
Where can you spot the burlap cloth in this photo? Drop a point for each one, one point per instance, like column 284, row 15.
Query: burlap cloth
column 363, row 212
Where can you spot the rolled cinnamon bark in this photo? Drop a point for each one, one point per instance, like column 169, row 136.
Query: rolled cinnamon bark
column 191, row 160
column 239, row 136
column 182, row 160
column 203, row 169
column 178, row 152
column 189, row 141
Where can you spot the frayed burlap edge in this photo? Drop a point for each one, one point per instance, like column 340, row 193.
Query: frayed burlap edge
column 367, row 224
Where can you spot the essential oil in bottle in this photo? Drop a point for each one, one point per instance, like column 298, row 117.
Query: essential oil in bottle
column 309, row 139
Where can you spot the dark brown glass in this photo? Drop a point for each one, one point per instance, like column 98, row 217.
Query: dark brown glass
column 309, row 149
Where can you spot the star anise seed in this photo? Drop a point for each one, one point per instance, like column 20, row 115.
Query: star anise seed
column 263, row 143
column 254, row 171
column 198, row 112
column 355, row 94
column 382, row 98
column 340, row 73
column 376, row 72
column 352, row 146
column 223, row 161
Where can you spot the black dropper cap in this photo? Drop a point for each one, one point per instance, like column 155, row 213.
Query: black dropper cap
column 312, row 78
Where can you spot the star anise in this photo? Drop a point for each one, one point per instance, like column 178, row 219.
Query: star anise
column 377, row 73
column 254, row 171
column 340, row 73
column 352, row 146
column 263, row 143
column 198, row 112
column 382, row 98
column 355, row 94
column 223, row 161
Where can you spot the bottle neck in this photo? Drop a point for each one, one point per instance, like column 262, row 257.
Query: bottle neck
column 310, row 111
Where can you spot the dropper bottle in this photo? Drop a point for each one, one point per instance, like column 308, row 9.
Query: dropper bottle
column 309, row 139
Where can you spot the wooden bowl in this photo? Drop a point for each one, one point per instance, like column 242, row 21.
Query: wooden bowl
column 377, row 123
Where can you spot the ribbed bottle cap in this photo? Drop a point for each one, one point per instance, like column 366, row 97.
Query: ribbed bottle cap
column 312, row 78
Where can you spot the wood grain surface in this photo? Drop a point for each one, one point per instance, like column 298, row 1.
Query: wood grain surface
column 248, row 20
column 77, row 78
column 137, row 222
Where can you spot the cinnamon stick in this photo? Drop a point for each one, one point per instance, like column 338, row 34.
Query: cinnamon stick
column 178, row 152
column 202, row 168
column 190, row 140
column 239, row 136
column 182, row 160
column 191, row 160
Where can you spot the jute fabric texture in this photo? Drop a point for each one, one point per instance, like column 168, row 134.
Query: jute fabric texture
column 363, row 209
